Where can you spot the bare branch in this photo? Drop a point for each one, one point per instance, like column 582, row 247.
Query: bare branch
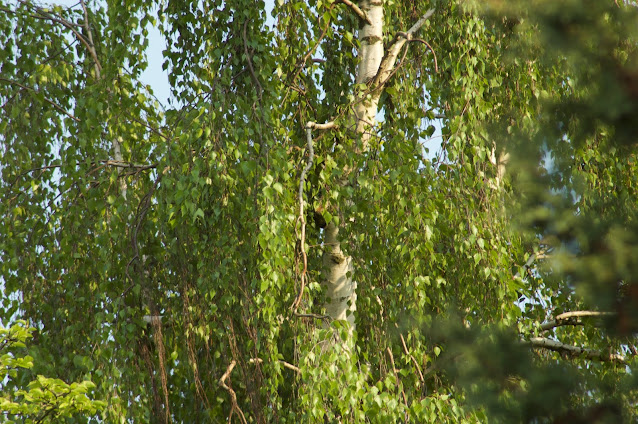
column 572, row 318
column 360, row 13
column 556, row 346
column 579, row 314
column 152, row 319
column 326, row 126
column 409, row 38
column 314, row 316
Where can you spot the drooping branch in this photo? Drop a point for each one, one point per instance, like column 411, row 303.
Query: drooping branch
column 410, row 39
column 43, row 14
column 250, row 62
column 233, row 396
column 301, row 218
column 556, row 346
column 57, row 106
column 416, row 364
column 572, row 318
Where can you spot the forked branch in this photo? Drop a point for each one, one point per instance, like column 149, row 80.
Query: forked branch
column 387, row 64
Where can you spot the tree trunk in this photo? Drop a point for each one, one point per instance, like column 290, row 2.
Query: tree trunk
column 340, row 287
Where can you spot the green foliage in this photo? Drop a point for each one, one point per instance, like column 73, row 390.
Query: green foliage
column 44, row 400
column 118, row 210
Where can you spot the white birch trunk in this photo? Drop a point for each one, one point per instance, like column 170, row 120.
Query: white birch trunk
column 340, row 287
column 375, row 68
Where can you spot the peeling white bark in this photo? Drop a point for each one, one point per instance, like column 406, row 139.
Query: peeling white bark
column 371, row 55
column 340, row 287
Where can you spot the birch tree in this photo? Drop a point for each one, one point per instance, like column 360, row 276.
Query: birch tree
column 289, row 238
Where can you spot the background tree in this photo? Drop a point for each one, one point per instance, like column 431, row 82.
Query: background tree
column 184, row 256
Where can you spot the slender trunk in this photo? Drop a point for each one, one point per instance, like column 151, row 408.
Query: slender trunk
column 340, row 287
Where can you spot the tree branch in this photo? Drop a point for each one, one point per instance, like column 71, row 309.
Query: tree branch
column 360, row 13
column 556, row 346
column 233, row 396
column 387, row 63
column 416, row 364
column 301, row 218
column 284, row 363
column 326, row 126
column 91, row 45
column 572, row 318
column 250, row 62
column 57, row 106
column 42, row 14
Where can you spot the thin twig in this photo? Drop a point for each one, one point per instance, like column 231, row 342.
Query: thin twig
column 302, row 63
column 396, row 376
column 409, row 39
column 284, row 363
column 405, row 348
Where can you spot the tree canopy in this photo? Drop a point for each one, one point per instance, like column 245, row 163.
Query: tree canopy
column 285, row 241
